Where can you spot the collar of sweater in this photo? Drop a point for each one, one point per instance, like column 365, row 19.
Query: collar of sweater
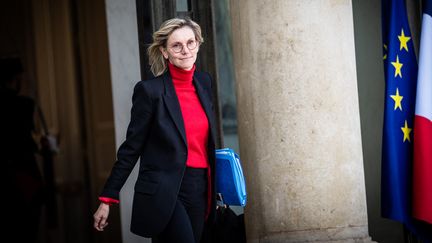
column 181, row 77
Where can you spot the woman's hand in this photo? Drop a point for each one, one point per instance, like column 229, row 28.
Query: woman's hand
column 101, row 216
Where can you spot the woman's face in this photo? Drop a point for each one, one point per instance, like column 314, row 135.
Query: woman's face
column 182, row 48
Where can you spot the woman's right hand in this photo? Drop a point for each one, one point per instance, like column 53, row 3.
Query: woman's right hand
column 101, row 216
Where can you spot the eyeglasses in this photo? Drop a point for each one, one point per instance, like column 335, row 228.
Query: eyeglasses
column 178, row 47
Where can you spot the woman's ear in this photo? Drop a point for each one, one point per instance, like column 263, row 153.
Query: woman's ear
column 164, row 52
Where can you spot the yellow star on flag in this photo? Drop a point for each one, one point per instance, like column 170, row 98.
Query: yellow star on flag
column 403, row 41
column 397, row 99
column 385, row 52
column 406, row 131
column 398, row 66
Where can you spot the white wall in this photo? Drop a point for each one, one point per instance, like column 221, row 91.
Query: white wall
column 125, row 72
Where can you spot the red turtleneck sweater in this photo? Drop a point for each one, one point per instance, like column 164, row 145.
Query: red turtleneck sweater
column 195, row 122
column 194, row 118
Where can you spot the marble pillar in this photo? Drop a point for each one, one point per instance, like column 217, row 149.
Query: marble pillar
column 298, row 120
column 125, row 73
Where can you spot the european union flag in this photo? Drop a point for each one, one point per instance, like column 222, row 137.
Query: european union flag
column 400, row 66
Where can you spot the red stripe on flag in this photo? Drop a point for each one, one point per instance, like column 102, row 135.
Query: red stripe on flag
column 422, row 192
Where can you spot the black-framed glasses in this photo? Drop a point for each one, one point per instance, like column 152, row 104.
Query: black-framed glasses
column 178, row 47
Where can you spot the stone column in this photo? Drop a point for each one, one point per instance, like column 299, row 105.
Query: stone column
column 298, row 120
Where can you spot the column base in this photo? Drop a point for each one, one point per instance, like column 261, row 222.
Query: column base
column 353, row 234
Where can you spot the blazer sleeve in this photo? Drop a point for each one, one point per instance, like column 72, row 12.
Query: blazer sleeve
column 130, row 150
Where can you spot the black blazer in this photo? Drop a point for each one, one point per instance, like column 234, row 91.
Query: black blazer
column 156, row 134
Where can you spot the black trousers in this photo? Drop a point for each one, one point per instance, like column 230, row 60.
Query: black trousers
column 187, row 221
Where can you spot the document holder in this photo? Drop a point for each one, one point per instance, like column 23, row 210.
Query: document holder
column 230, row 182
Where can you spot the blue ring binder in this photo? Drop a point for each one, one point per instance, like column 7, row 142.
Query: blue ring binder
column 230, row 182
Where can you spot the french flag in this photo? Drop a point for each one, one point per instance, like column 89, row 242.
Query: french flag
column 422, row 167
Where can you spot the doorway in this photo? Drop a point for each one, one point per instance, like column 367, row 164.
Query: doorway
column 64, row 51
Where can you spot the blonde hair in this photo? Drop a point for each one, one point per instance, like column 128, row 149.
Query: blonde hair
column 157, row 62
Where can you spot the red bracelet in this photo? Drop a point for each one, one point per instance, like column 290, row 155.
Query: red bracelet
column 108, row 200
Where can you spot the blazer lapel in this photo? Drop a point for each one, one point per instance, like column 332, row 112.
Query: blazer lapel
column 206, row 103
column 173, row 105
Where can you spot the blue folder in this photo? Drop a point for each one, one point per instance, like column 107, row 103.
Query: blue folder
column 230, row 182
